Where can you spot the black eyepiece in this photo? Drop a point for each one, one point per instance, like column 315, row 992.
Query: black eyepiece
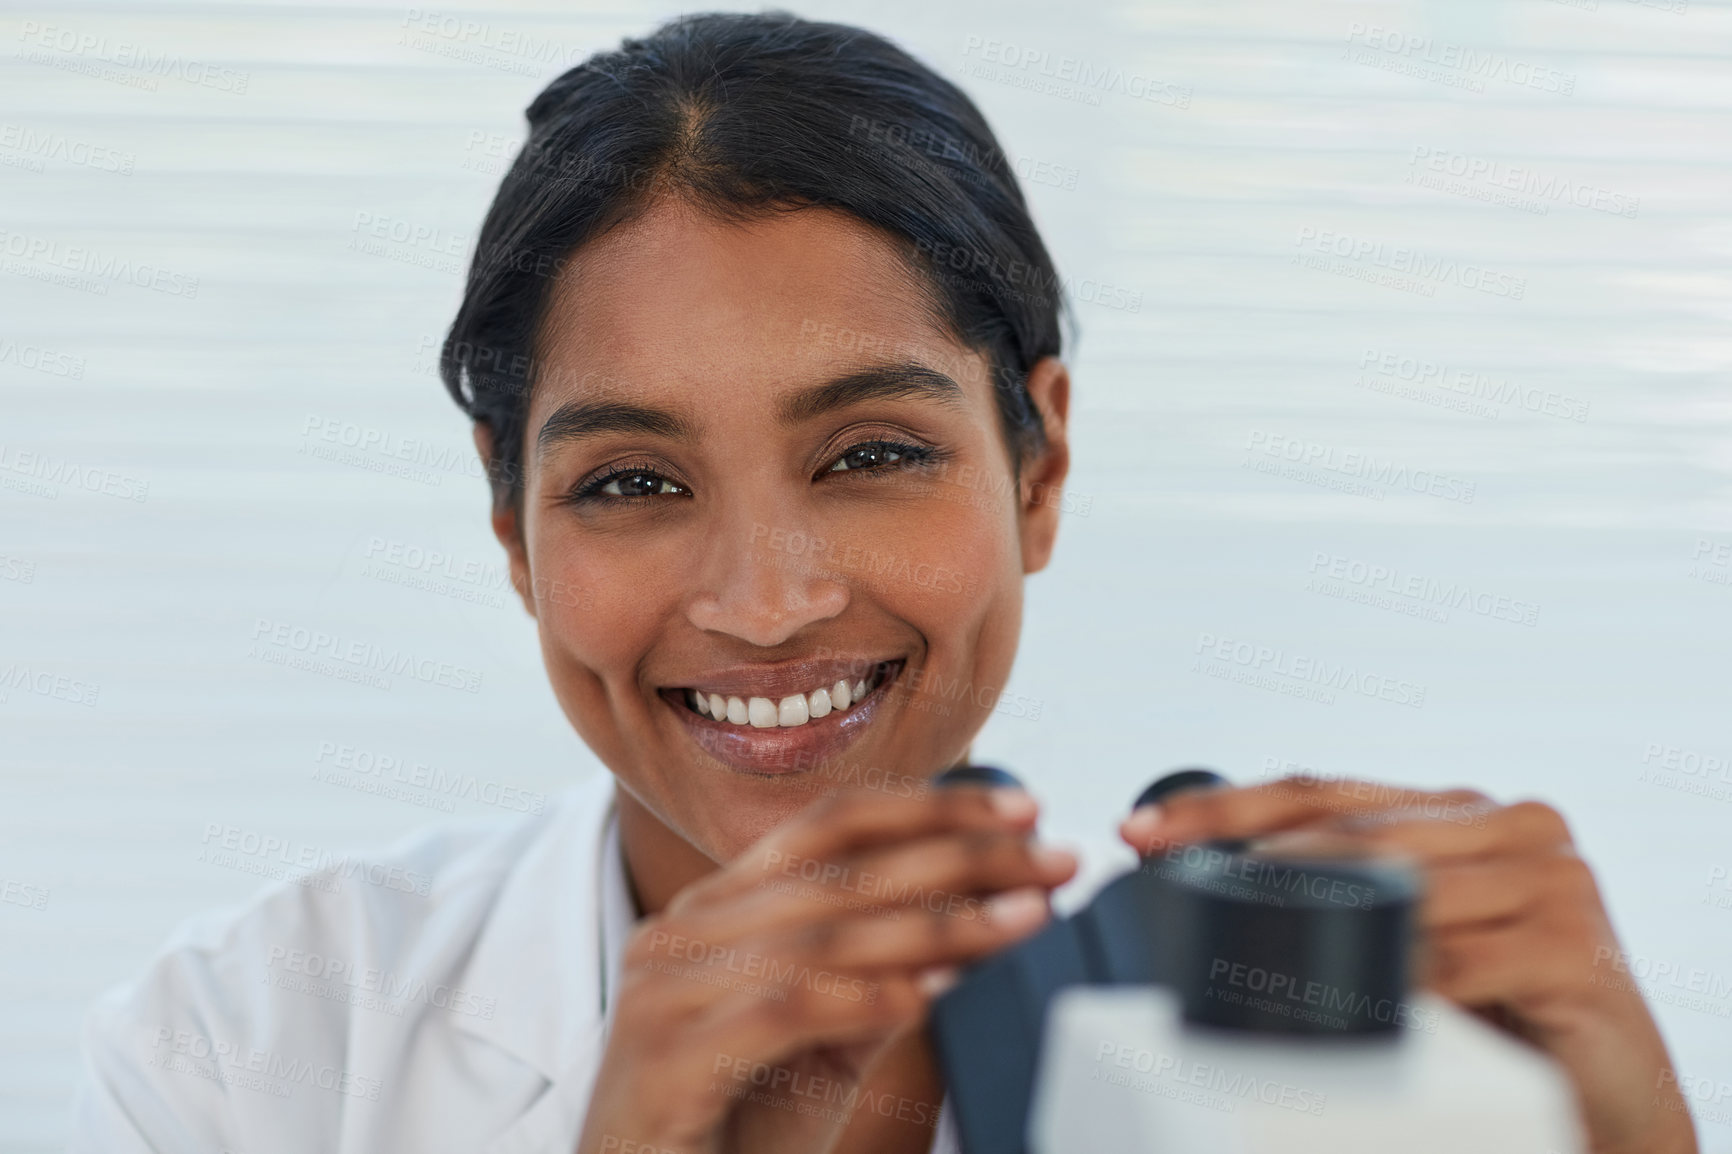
column 977, row 775
column 1178, row 779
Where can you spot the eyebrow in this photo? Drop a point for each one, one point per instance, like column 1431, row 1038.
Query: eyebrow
column 903, row 380
column 575, row 420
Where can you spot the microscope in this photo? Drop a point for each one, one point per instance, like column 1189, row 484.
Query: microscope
column 1222, row 1000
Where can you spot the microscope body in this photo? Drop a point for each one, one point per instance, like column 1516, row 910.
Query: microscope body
column 1218, row 1000
column 1122, row 1072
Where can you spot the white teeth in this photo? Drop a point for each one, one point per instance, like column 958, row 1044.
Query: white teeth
column 794, row 709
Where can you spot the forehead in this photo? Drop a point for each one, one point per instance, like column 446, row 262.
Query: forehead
column 675, row 297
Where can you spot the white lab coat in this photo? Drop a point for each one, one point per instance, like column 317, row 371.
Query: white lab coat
column 347, row 1013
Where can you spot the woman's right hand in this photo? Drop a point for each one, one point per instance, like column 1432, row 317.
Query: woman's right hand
column 805, row 957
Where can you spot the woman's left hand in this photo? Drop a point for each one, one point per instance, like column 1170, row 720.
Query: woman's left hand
column 1512, row 922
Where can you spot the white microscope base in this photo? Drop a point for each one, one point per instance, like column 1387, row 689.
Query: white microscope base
column 1121, row 1074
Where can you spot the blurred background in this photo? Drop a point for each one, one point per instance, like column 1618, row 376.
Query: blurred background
column 1405, row 337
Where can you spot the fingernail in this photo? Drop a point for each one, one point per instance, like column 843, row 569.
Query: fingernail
column 935, row 981
column 1017, row 910
column 1052, row 858
column 1145, row 817
column 1013, row 803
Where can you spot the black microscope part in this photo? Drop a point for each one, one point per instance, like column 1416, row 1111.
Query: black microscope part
column 1174, row 921
column 977, row 775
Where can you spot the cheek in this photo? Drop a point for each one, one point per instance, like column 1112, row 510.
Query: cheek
column 597, row 606
column 957, row 578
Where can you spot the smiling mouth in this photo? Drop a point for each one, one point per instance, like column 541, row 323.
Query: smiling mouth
column 787, row 711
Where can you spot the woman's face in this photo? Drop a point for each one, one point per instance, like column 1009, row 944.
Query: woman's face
column 758, row 474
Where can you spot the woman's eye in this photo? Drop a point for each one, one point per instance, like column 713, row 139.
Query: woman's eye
column 873, row 455
column 639, row 485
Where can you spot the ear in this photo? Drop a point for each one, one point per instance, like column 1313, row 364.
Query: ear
column 1043, row 474
column 506, row 526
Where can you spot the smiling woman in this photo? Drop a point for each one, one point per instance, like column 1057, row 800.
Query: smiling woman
column 741, row 508
column 761, row 348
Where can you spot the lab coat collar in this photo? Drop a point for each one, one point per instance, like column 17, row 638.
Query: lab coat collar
column 540, row 953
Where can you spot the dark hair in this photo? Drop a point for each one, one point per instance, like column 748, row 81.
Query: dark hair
column 742, row 115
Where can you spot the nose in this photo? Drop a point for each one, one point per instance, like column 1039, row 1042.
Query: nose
column 763, row 583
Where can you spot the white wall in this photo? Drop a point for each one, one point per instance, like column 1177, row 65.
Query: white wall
column 1264, row 132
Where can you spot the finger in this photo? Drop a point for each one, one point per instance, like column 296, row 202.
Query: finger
column 924, row 939
column 928, row 868
column 669, row 979
column 1517, row 962
column 1478, row 893
column 1436, row 828
column 942, row 874
column 842, row 824
column 769, row 1031
column 1249, row 812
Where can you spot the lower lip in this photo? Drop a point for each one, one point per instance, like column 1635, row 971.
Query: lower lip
column 778, row 751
